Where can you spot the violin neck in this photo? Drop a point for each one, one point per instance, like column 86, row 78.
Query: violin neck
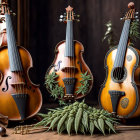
column 13, row 52
column 122, row 47
column 69, row 48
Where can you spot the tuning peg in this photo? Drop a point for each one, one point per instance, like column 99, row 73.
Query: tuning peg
column 77, row 20
column 136, row 16
column 137, row 13
column 121, row 18
column 14, row 14
column 61, row 16
column 137, row 20
column 60, row 20
column 78, row 15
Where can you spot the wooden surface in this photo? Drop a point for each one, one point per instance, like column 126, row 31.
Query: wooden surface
column 125, row 135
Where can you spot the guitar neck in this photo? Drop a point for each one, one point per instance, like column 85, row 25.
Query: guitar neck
column 121, row 51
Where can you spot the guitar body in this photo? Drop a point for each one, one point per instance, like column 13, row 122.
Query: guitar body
column 17, row 83
column 128, row 105
column 61, row 61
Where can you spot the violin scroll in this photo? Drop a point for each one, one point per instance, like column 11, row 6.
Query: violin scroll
column 69, row 15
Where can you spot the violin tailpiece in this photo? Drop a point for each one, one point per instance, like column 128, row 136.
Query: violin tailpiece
column 70, row 85
column 21, row 100
column 115, row 96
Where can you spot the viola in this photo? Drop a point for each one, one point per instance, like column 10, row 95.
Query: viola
column 69, row 63
column 120, row 92
column 20, row 99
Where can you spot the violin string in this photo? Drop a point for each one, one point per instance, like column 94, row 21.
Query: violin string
column 15, row 56
column 124, row 43
column 18, row 63
column 127, row 33
column 10, row 35
column 121, row 51
column 69, row 45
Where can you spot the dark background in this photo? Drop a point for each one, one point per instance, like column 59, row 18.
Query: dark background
column 45, row 31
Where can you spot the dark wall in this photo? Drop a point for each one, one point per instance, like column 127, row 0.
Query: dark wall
column 46, row 31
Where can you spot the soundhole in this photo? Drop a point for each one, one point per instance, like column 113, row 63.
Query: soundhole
column 119, row 74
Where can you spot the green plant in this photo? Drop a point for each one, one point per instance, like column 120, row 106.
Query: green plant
column 134, row 32
column 110, row 35
column 56, row 90
column 78, row 118
column 84, row 83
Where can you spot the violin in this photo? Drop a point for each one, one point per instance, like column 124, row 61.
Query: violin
column 120, row 93
column 69, row 64
column 20, row 99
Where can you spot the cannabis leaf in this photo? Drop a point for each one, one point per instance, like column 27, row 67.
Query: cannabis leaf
column 84, row 83
column 78, row 118
column 56, row 90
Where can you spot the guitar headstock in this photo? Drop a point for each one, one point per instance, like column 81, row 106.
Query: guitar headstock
column 69, row 15
column 131, row 14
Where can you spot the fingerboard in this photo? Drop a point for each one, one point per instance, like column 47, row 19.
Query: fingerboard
column 13, row 52
column 69, row 48
column 122, row 47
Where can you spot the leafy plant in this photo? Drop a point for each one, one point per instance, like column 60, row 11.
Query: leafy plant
column 50, row 80
column 56, row 90
column 84, row 83
column 78, row 118
column 110, row 35
column 134, row 32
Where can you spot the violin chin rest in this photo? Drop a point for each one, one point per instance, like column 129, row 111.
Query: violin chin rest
column 21, row 100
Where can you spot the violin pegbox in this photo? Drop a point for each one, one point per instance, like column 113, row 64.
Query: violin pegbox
column 131, row 14
column 69, row 15
column 4, row 8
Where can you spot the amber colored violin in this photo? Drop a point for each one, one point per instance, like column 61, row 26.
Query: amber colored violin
column 120, row 94
column 68, row 63
column 19, row 97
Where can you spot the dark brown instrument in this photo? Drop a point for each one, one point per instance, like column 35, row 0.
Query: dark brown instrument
column 68, row 63
column 19, row 97
column 120, row 94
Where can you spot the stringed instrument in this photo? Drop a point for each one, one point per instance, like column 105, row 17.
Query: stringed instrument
column 19, row 97
column 120, row 93
column 69, row 63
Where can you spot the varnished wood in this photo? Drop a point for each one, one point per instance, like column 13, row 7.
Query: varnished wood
column 131, row 5
column 66, row 61
column 127, row 85
column 7, row 103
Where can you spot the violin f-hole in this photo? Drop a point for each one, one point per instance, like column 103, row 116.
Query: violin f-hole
column 57, row 67
column 6, row 83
